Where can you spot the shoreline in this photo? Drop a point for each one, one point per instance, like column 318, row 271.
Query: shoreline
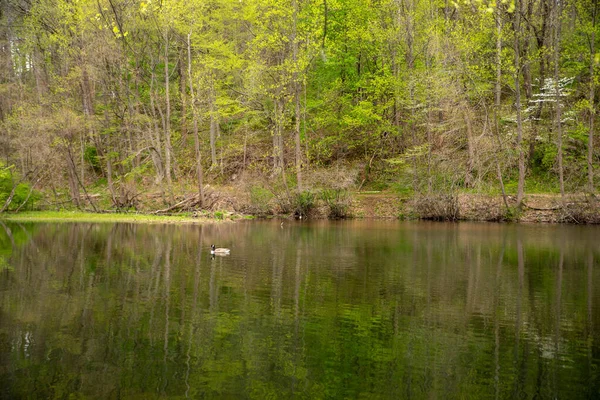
column 538, row 208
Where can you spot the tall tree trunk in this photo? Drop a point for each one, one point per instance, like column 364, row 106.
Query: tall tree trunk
column 558, row 113
column 183, row 95
column 86, row 99
column 541, row 36
column 278, row 159
column 168, row 148
column 155, row 135
column 213, row 138
column 280, row 139
column 498, row 98
column 470, row 148
column 517, row 31
column 108, row 151
column 296, row 97
column 408, row 9
column 213, row 127
column 526, row 67
column 76, row 182
column 199, row 171
column 590, row 155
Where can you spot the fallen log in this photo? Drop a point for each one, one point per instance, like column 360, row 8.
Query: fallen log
column 542, row 208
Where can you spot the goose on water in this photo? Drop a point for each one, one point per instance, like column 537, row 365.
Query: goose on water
column 220, row 250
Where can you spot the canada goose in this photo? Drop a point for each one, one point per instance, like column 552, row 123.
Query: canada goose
column 220, row 250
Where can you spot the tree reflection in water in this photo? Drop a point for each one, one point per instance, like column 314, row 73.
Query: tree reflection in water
column 315, row 310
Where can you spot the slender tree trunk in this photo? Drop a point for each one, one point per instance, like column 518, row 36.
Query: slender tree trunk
column 31, row 189
column 304, row 130
column 541, row 38
column 245, row 149
column 213, row 148
column 107, row 153
column 275, row 142
column 78, row 182
column 168, row 148
column 526, row 63
column 199, row 171
column 296, row 97
column 429, row 101
column 88, row 111
column 10, row 195
column 558, row 113
column 183, row 95
column 590, row 155
column 155, row 135
column 517, row 31
column 470, row 148
column 397, row 92
column 280, row 141
column 213, row 139
column 408, row 10
column 213, row 129
column 277, row 136
column 498, row 98
column 35, row 58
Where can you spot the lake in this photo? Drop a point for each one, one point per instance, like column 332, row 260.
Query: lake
column 315, row 310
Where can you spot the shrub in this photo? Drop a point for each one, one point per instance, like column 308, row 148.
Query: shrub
column 304, row 203
column 583, row 212
column 437, row 206
column 337, row 201
column 90, row 155
column 259, row 200
column 24, row 196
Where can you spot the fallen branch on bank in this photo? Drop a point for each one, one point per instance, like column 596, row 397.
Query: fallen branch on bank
column 542, row 208
column 192, row 202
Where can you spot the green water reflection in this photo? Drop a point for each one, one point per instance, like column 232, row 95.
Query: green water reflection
column 358, row 309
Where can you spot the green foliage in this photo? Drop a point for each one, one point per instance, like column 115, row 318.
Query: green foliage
column 90, row 155
column 338, row 202
column 259, row 200
column 400, row 89
column 24, row 197
column 544, row 158
column 304, row 203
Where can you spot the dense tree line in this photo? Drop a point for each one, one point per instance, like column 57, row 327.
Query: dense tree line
column 422, row 96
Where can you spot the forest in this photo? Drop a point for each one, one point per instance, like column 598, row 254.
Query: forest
column 176, row 105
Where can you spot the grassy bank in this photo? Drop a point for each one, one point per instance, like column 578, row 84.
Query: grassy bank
column 77, row 216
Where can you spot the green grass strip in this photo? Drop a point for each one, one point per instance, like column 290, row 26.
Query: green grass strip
column 77, row 216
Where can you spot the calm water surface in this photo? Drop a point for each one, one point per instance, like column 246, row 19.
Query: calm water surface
column 357, row 309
